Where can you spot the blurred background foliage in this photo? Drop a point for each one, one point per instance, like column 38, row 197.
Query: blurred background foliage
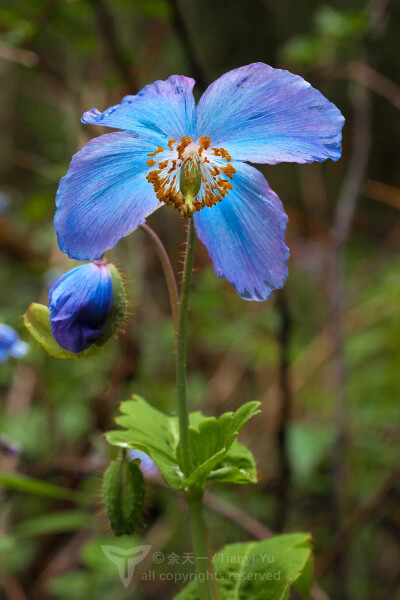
column 323, row 356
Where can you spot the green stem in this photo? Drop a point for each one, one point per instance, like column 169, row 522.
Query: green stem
column 168, row 272
column 181, row 349
column 204, row 565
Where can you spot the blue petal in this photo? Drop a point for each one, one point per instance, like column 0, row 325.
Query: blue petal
column 104, row 196
column 79, row 303
column 244, row 235
column 164, row 110
column 267, row 115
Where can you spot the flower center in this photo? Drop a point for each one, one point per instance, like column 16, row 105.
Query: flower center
column 190, row 175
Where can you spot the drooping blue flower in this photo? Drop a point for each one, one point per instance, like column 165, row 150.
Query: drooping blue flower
column 169, row 147
column 10, row 344
column 79, row 304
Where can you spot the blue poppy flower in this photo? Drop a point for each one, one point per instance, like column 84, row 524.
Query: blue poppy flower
column 254, row 113
column 10, row 344
column 79, row 304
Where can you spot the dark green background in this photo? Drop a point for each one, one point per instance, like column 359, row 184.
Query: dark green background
column 61, row 58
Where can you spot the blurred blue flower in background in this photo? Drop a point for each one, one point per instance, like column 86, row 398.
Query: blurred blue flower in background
column 9, row 447
column 4, row 203
column 147, row 465
column 10, row 344
column 193, row 158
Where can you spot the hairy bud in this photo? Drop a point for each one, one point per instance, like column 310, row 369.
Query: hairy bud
column 123, row 496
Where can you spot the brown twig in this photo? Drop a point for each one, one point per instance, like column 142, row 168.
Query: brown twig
column 382, row 192
column 13, row 590
column 168, row 271
column 27, row 58
column 360, row 515
column 238, row 516
column 59, row 561
column 343, row 219
column 182, row 32
column 285, row 395
column 364, row 75
column 117, row 54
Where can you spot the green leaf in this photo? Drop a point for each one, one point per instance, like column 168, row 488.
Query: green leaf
column 210, row 441
column 149, row 430
column 211, row 438
column 304, row 583
column 303, row 49
column 66, row 520
column 340, row 24
column 37, row 321
column 237, row 466
column 260, row 570
column 29, row 485
column 308, row 445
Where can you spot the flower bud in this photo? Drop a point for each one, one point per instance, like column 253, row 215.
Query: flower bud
column 86, row 307
column 123, row 496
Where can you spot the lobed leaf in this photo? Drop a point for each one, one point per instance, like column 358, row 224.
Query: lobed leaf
column 263, row 570
column 211, row 439
column 149, row 430
column 237, row 466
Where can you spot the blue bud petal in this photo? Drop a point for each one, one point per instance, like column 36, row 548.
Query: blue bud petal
column 79, row 303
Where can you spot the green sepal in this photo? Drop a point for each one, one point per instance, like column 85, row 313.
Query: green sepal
column 123, row 496
column 118, row 307
column 37, row 321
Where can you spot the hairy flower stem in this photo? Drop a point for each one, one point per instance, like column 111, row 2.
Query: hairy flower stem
column 168, row 272
column 181, row 350
column 204, row 567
